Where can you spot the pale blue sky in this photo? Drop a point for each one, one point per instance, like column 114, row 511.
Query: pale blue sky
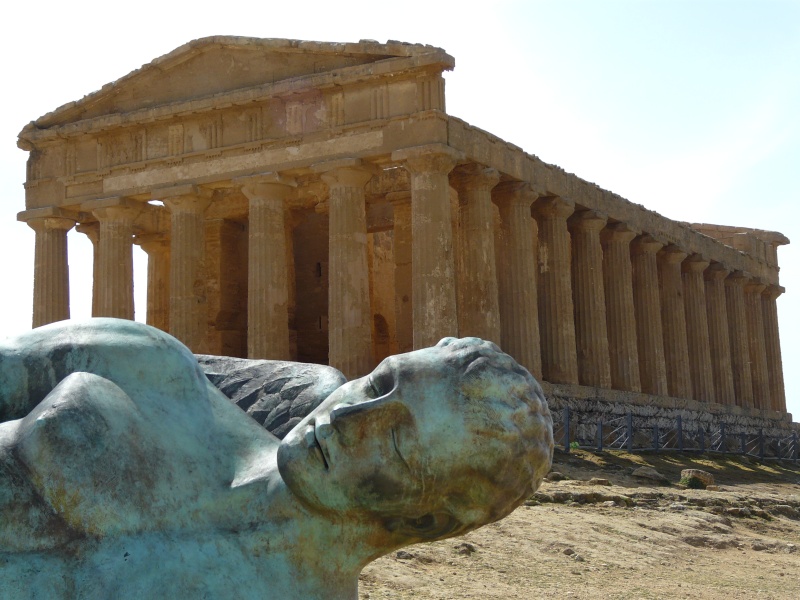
column 687, row 107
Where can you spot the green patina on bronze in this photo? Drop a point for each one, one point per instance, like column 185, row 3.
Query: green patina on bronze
column 124, row 472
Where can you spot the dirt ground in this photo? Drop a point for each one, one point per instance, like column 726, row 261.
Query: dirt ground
column 632, row 539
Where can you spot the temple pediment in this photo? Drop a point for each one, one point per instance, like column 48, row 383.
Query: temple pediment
column 221, row 65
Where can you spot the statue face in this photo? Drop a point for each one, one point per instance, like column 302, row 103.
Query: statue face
column 383, row 444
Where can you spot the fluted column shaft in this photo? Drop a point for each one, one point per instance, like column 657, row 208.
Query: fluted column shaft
column 349, row 313
column 92, row 231
column 157, row 247
column 673, row 319
column 517, row 287
column 556, row 312
column 620, row 311
column 478, row 311
column 719, row 340
column 756, row 344
column 50, row 270
column 777, row 392
column 115, row 258
column 694, row 297
column 591, row 335
column 404, row 318
column 433, row 267
column 737, row 331
column 647, row 308
column 188, row 302
column 267, row 269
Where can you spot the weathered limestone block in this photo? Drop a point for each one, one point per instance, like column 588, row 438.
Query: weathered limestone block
column 673, row 319
column 620, row 308
column 188, row 310
column 349, row 312
column 737, row 331
column 757, row 347
column 404, row 317
column 50, row 269
column 647, row 308
column 777, row 391
column 556, row 312
column 478, row 311
column 719, row 340
column 267, row 266
column 433, row 265
column 697, row 328
column 157, row 248
column 591, row 335
column 519, row 310
column 115, row 256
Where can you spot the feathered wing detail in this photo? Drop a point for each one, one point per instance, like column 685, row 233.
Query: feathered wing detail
column 277, row 394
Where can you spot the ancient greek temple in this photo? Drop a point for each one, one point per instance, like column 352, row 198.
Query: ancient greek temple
column 315, row 202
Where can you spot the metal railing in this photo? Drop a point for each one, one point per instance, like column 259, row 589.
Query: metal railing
column 574, row 429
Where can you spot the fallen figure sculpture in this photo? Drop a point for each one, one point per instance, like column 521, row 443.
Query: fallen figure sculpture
column 125, row 473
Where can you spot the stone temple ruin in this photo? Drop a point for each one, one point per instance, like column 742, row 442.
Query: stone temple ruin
column 315, row 202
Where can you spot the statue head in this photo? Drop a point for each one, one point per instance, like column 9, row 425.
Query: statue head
column 432, row 443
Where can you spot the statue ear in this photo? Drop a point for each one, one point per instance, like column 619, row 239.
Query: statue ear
column 431, row 526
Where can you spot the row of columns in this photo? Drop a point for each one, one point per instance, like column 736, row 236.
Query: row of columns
column 577, row 299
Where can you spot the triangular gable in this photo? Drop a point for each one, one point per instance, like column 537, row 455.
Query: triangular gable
column 221, row 64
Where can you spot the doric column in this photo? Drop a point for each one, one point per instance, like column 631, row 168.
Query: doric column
column 479, row 313
column 50, row 269
column 92, row 231
column 267, row 269
column 777, row 392
column 519, row 310
column 673, row 320
column 756, row 344
column 647, row 308
column 556, row 314
column 188, row 318
column 157, row 247
column 694, row 302
column 349, row 313
column 404, row 319
column 115, row 256
column 620, row 312
column 591, row 335
column 433, row 268
column 737, row 332
column 719, row 340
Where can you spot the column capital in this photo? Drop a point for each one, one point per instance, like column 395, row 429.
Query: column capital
column 350, row 172
column 772, row 291
column 188, row 196
column 672, row 254
column 90, row 230
column 40, row 224
column 618, row 232
column 646, row 244
column 48, row 212
column 262, row 185
column 587, row 220
column 737, row 278
column 695, row 263
column 754, row 286
column 152, row 242
column 551, row 207
column 716, row 272
column 473, row 176
column 514, row 192
column 439, row 158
